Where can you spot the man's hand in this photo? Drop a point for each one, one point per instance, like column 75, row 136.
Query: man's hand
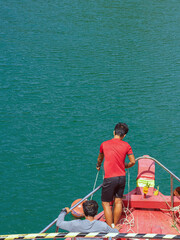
column 67, row 209
column 131, row 161
column 98, row 167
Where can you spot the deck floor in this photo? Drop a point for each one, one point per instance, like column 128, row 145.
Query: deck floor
column 148, row 221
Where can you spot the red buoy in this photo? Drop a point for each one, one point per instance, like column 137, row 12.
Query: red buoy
column 78, row 211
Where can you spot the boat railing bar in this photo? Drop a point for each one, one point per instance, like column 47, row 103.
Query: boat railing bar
column 160, row 164
column 88, row 195
column 167, row 170
column 89, row 235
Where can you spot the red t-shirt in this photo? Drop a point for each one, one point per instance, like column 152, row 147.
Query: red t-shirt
column 115, row 151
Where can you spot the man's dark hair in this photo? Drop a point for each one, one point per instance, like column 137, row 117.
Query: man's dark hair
column 178, row 190
column 121, row 129
column 90, row 208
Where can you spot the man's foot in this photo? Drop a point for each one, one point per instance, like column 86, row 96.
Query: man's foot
column 118, row 226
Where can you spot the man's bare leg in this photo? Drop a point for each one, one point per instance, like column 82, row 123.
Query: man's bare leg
column 117, row 210
column 107, row 213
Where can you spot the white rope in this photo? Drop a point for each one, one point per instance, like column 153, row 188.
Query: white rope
column 95, row 183
column 172, row 209
column 177, row 208
column 129, row 222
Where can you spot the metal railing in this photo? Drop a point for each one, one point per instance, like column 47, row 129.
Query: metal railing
column 172, row 175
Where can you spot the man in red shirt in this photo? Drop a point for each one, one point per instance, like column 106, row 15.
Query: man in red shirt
column 114, row 151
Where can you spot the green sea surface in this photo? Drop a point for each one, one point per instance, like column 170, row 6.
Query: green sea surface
column 69, row 71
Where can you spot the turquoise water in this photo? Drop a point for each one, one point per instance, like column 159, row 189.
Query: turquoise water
column 70, row 70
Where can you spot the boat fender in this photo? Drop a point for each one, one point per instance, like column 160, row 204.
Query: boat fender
column 78, row 211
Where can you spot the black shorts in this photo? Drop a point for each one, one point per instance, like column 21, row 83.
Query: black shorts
column 113, row 187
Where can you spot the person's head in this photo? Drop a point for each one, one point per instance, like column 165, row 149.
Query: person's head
column 121, row 129
column 90, row 208
column 176, row 191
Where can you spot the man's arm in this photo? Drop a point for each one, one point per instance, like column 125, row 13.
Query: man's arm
column 60, row 221
column 99, row 161
column 131, row 161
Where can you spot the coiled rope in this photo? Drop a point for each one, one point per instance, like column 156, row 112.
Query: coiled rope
column 129, row 217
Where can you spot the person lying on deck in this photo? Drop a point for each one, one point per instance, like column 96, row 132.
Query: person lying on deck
column 90, row 208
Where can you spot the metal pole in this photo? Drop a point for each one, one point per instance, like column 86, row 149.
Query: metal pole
column 172, row 198
column 95, row 190
column 52, row 223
